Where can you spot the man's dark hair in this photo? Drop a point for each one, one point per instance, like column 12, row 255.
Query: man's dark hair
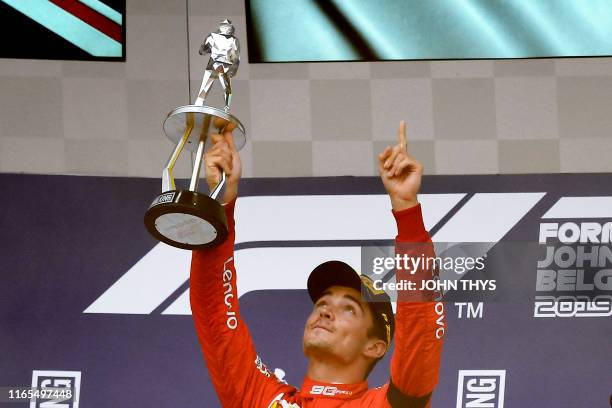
column 377, row 331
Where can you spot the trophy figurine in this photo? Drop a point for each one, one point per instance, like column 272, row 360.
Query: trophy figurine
column 189, row 219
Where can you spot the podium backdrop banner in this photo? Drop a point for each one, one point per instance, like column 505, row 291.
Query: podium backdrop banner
column 90, row 300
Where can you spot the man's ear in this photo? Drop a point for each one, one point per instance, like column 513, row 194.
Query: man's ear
column 375, row 348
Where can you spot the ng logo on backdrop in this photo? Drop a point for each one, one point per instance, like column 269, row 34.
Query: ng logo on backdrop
column 65, row 386
column 481, row 388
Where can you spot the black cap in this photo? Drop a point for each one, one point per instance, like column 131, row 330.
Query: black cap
column 338, row 273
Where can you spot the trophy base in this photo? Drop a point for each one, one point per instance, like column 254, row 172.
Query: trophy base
column 186, row 220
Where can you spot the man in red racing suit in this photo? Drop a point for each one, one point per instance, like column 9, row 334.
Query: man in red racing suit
column 237, row 372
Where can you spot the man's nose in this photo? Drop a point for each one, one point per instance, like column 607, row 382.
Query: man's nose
column 327, row 313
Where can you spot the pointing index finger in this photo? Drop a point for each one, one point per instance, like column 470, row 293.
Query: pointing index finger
column 401, row 136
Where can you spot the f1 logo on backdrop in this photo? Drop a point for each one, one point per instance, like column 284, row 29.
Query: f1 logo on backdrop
column 481, row 388
column 158, row 281
column 63, row 386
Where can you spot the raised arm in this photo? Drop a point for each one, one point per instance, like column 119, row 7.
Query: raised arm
column 205, row 47
column 419, row 320
column 237, row 373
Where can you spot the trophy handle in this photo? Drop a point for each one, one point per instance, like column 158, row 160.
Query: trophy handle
column 217, row 189
column 167, row 176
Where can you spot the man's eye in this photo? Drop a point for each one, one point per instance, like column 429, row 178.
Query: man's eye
column 350, row 309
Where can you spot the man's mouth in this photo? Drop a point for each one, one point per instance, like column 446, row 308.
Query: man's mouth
column 320, row 326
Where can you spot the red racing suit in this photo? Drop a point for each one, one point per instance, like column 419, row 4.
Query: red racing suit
column 242, row 380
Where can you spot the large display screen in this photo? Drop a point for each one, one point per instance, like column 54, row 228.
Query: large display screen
column 63, row 29
column 366, row 30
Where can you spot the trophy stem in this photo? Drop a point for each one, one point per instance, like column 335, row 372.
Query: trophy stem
column 167, row 176
column 197, row 166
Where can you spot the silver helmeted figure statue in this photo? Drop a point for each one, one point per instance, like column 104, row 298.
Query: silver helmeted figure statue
column 224, row 50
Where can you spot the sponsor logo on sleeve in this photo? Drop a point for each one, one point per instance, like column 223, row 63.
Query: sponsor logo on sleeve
column 228, row 295
column 261, row 367
column 280, row 374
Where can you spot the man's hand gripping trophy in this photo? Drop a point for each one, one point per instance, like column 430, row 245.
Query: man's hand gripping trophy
column 223, row 157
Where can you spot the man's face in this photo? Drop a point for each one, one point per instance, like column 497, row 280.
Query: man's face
column 338, row 325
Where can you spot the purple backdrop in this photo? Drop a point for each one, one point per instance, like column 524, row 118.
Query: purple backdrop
column 65, row 240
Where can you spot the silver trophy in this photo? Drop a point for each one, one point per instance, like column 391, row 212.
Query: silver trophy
column 189, row 219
